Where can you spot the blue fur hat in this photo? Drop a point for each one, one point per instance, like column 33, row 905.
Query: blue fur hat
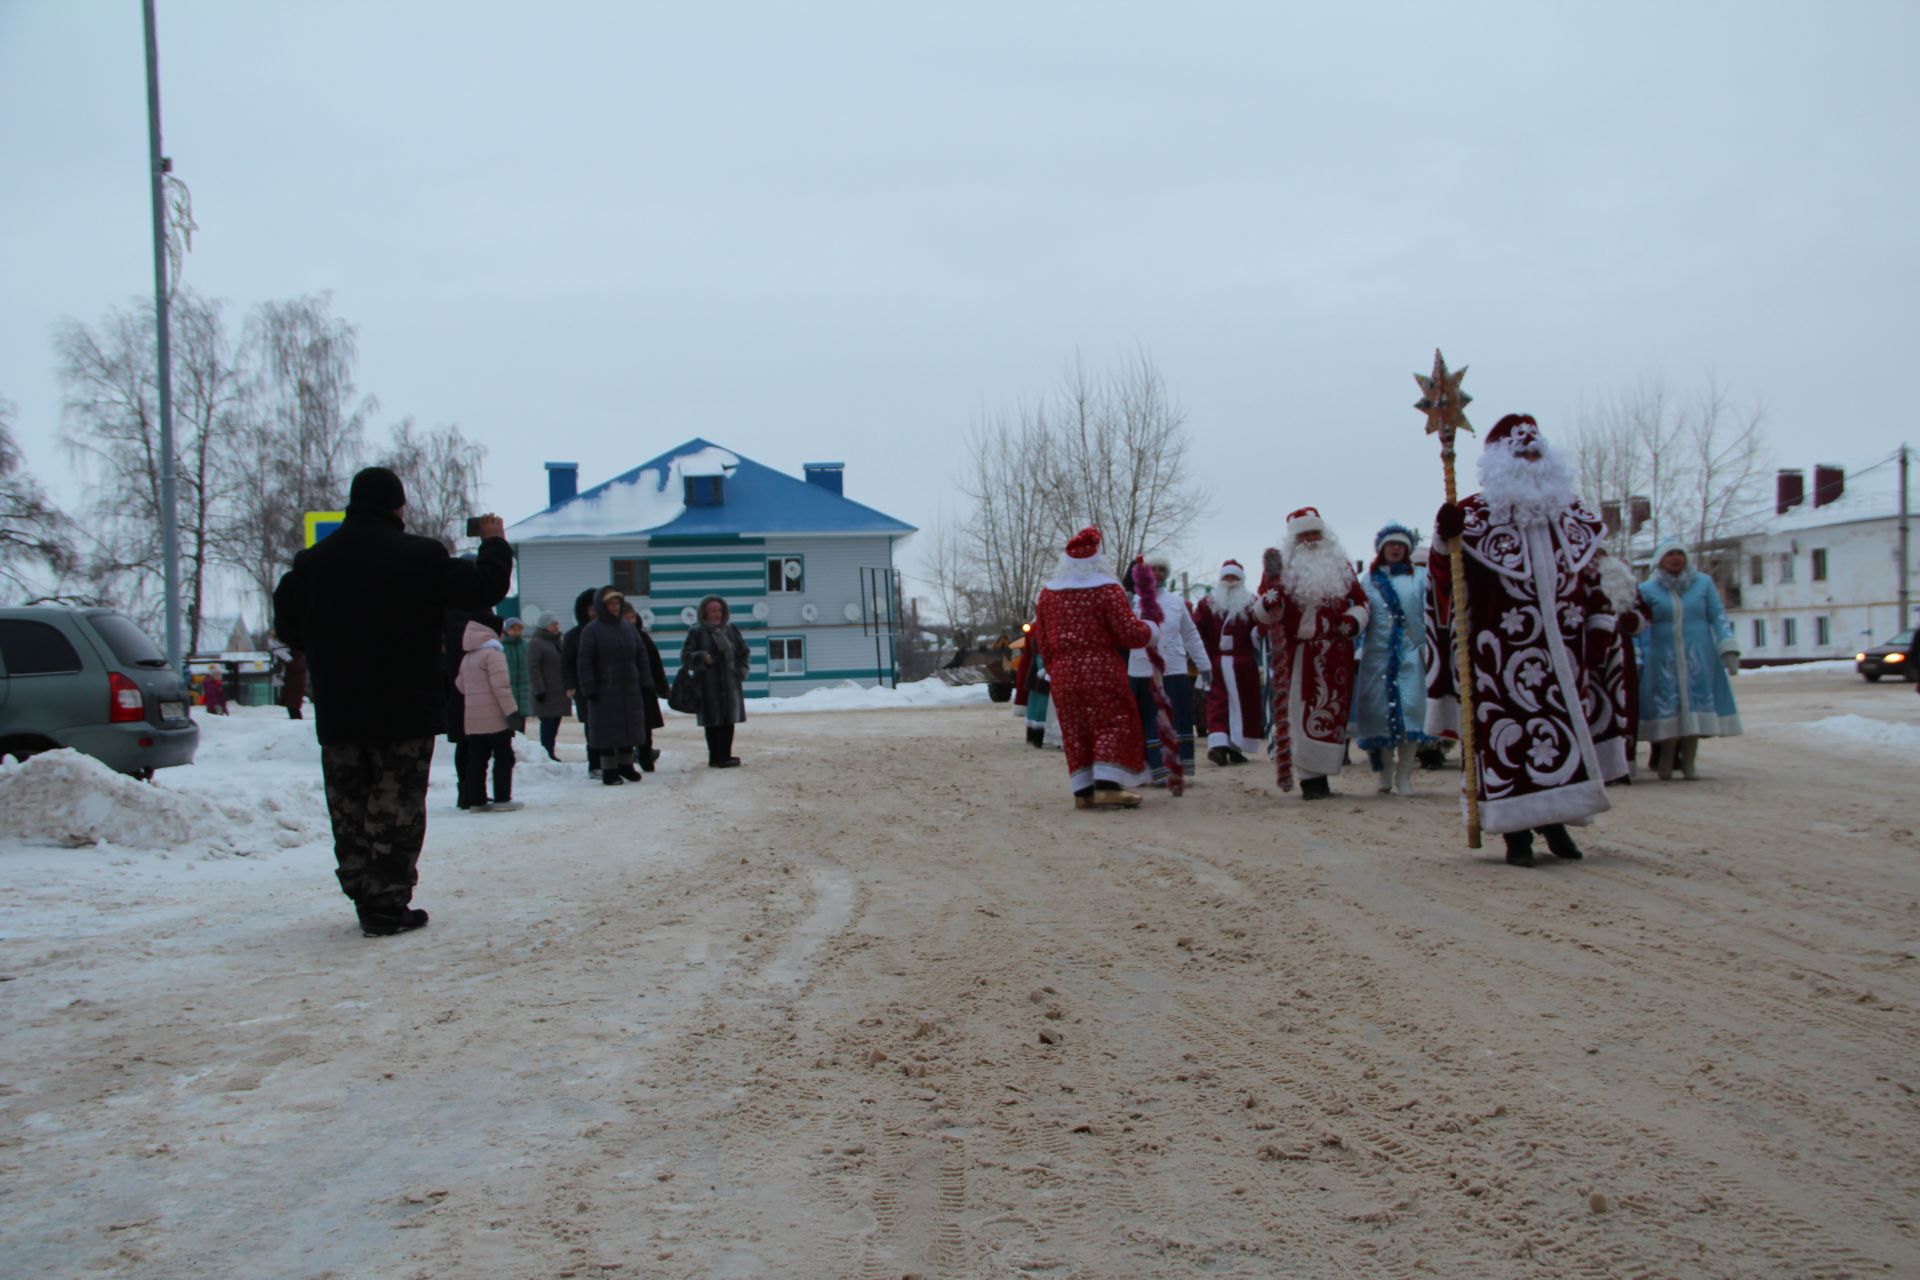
column 1396, row 533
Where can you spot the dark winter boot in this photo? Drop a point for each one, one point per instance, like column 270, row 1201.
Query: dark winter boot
column 1037, row 737
column 1559, row 843
column 378, row 923
column 1218, row 755
column 1236, row 755
column 648, row 759
column 1315, row 789
column 1519, row 848
column 611, row 778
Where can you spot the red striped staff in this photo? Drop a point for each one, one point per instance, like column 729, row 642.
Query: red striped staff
column 1279, row 675
column 1147, row 587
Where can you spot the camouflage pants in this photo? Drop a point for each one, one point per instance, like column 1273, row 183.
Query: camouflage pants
column 377, row 797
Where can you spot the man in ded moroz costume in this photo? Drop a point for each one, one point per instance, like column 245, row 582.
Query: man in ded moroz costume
column 1235, row 719
column 1311, row 614
column 1083, row 625
column 1534, row 614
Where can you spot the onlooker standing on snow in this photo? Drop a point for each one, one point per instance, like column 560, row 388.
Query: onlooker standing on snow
column 717, row 651
column 365, row 605
column 546, row 680
column 570, row 670
column 513, row 642
column 610, row 685
column 486, row 690
column 293, row 684
column 653, row 682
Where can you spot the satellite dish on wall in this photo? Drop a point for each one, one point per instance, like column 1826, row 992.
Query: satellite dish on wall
column 646, row 616
column 760, row 611
column 793, row 570
column 853, row 613
column 688, row 616
column 809, row 612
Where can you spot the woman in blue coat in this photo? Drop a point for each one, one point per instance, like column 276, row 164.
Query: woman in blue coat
column 1685, row 693
column 1390, row 691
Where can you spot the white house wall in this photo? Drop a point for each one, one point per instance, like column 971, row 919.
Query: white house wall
column 553, row 571
column 1860, row 596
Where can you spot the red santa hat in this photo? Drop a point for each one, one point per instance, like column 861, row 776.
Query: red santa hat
column 1305, row 520
column 1504, row 428
column 1084, row 545
column 1232, row 569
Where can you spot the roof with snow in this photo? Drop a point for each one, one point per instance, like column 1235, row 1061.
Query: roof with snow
column 755, row 500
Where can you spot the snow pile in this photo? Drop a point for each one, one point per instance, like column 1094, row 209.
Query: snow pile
column 72, row 801
column 654, row 497
column 850, row 695
column 1864, row 731
column 1825, row 667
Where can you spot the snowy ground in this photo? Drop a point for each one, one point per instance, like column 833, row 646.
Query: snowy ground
column 881, row 1004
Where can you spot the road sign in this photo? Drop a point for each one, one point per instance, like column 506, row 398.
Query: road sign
column 321, row 523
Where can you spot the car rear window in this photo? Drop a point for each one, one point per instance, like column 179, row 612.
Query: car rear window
column 35, row 648
column 128, row 642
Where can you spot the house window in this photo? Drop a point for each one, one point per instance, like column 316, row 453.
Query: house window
column 1820, row 567
column 1786, row 566
column 632, row 578
column 706, row 491
column 1789, row 633
column 1759, row 632
column 786, row 656
column 786, row 574
column 1757, row 571
column 1822, row 629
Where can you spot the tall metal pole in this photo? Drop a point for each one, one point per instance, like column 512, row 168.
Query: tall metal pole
column 1906, row 613
column 169, row 517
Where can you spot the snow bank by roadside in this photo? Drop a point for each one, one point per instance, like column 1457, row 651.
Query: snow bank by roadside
column 852, row 696
column 1823, row 668
column 1865, row 731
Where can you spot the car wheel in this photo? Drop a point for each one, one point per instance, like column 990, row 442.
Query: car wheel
column 1871, row 677
column 17, row 750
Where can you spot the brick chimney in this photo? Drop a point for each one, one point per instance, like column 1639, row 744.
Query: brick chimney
column 563, row 482
column 1829, row 484
column 1789, row 490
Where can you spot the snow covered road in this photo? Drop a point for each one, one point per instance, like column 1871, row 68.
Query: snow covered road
column 882, row 1004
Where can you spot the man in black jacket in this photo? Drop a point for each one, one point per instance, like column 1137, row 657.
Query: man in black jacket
column 570, row 667
column 366, row 606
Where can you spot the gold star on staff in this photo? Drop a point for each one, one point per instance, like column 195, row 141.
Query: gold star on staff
column 1442, row 400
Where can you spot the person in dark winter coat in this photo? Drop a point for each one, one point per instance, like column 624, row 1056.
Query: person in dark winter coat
column 546, row 677
column 653, row 683
column 570, row 669
column 610, row 659
column 366, row 607
column 513, row 642
column 718, row 652
column 293, row 687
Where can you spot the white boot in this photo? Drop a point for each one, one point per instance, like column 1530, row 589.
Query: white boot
column 1403, row 769
column 1689, row 751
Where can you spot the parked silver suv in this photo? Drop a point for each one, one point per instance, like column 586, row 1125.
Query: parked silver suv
column 91, row 680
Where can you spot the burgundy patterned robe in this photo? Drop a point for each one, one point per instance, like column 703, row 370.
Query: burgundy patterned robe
column 1535, row 617
column 1234, row 714
column 1320, row 690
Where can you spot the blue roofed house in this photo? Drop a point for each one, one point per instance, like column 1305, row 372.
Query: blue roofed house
column 807, row 571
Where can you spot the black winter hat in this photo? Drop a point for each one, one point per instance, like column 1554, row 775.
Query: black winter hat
column 379, row 488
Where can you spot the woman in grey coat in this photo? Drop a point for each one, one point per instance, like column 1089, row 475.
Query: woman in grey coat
column 546, row 672
column 610, row 682
column 717, row 652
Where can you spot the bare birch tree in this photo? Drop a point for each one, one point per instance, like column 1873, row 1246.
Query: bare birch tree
column 37, row 551
column 440, row 468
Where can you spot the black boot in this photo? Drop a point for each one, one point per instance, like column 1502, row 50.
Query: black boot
column 1559, row 843
column 1315, row 789
column 378, row 922
column 1218, row 755
column 1236, row 756
column 1519, row 848
column 1037, row 737
column 631, row 774
column 611, row 778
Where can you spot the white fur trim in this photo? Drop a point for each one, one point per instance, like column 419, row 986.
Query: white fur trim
column 1574, row 804
column 1078, row 575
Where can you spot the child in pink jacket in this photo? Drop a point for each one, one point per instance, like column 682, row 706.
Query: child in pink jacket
column 486, row 691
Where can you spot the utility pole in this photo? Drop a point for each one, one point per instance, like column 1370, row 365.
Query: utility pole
column 169, row 516
column 1906, row 613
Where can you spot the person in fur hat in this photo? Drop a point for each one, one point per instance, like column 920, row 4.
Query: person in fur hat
column 1390, row 693
column 1532, row 604
column 1235, row 717
column 1685, row 689
column 1312, row 615
column 1082, row 627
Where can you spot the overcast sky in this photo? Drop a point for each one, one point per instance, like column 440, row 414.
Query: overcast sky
column 589, row 231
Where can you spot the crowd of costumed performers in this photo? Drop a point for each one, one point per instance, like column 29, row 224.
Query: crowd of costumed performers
column 1574, row 663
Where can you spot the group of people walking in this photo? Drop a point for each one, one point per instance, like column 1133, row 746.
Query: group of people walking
column 1573, row 662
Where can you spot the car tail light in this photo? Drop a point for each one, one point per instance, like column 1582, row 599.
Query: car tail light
column 128, row 703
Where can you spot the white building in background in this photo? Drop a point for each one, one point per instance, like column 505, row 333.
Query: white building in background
column 1820, row 578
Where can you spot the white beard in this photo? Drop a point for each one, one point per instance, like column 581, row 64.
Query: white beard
column 1623, row 593
column 1518, row 489
column 1230, row 602
column 1316, row 573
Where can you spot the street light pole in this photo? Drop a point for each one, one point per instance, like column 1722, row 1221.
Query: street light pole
column 169, row 516
column 1906, row 613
